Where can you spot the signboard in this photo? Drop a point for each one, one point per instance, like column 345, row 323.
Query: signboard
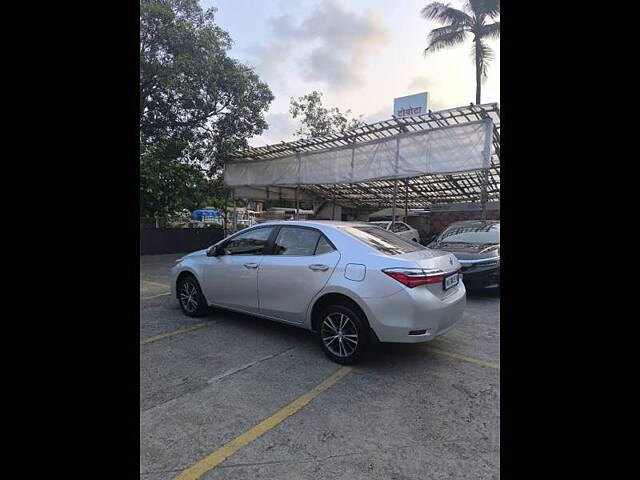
column 411, row 105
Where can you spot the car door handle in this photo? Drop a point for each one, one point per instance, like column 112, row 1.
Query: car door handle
column 317, row 266
column 251, row 265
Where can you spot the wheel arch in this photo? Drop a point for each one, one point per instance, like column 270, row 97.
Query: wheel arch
column 186, row 273
column 330, row 298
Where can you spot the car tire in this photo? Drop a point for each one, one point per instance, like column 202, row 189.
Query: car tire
column 339, row 326
column 193, row 305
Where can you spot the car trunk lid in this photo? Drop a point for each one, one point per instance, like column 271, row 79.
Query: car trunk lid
column 431, row 260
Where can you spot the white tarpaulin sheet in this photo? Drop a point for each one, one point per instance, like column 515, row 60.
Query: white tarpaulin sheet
column 451, row 149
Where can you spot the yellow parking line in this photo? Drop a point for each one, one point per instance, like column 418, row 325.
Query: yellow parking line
column 144, row 287
column 155, row 283
column 465, row 358
column 224, row 452
column 155, row 338
column 154, row 296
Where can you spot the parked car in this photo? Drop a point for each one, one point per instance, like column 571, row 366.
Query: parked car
column 352, row 283
column 476, row 244
column 402, row 229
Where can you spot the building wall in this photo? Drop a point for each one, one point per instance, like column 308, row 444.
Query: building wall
column 326, row 211
column 422, row 224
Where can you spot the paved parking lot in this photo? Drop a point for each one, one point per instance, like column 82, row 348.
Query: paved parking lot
column 229, row 396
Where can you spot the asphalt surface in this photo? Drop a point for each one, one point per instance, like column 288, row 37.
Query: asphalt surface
column 422, row 411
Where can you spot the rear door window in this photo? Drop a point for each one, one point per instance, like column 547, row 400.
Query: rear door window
column 383, row 240
column 400, row 227
column 296, row 241
column 324, row 246
column 384, row 225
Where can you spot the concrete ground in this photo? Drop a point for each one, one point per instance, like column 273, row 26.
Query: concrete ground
column 423, row 411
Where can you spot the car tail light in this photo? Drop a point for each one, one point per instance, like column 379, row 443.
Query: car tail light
column 412, row 277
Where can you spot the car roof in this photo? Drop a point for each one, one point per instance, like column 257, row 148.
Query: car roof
column 316, row 223
column 476, row 222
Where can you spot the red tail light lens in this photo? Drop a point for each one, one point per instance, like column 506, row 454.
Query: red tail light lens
column 412, row 277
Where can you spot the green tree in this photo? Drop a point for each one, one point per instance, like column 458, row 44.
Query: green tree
column 196, row 103
column 167, row 185
column 317, row 120
column 458, row 24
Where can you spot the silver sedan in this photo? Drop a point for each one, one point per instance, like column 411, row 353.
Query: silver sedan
column 351, row 283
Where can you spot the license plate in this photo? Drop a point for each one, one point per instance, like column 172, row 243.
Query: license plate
column 451, row 281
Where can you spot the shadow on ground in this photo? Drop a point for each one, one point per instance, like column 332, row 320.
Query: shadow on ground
column 379, row 355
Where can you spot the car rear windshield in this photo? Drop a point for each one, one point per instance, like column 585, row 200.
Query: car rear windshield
column 382, row 240
column 471, row 234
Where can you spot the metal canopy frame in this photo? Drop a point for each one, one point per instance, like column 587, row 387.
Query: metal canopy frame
column 419, row 192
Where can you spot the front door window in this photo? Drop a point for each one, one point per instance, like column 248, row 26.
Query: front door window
column 249, row 243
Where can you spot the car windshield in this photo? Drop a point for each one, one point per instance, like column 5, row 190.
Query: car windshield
column 473, row 234
column 382, row 240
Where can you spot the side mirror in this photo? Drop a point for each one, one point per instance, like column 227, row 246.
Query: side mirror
column 214, row 251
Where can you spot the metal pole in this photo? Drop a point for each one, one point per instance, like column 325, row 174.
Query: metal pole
column 485, row 172
column 226, row 211
column 333, row 207
column 395, row 187
column 483, row 193
column 235, row 212
column 393, row 210
column 267, row 199
column 406, row 199
column 298, row 187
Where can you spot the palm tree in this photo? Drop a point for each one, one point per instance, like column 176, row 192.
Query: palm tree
column 458, row 24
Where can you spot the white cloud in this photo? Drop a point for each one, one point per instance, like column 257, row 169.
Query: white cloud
column 269, row 62
column 381, row 114
column 420, row 84
column 359, row 53
column 281, row 128
column 339, row 42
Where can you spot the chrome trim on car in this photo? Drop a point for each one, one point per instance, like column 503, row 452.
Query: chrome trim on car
column 481, row 260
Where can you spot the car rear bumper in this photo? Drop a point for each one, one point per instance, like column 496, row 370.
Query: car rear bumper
column 482, row 279
column 394, row 317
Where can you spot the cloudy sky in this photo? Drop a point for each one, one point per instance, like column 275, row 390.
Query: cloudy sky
column 360, row 54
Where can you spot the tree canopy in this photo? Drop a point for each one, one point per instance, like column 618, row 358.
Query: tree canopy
column 196, row 104
column 474, row 18
column 317, row 120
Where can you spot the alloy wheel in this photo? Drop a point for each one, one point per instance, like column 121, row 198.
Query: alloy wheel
column 339, row 334
column 189, row 297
